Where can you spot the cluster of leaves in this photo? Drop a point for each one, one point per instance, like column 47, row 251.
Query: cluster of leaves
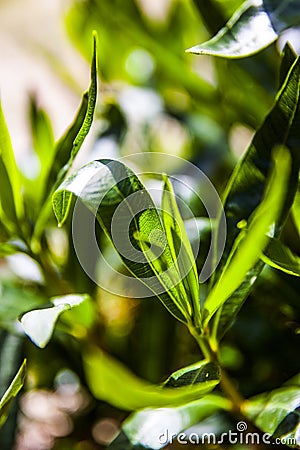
column 261, row 204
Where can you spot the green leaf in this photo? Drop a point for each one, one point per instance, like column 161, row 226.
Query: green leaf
column 254, row 26
column 69, row 145
column 248, row 31
column 7, row 202
column 288, row 59
column 130, row 392
column 9, row 172
column 195, row 373
column 110, row 189
column 11, row 393
column 39, row 324
column 181, row 251
column 277, row 413
column 155, row 428
column 246, row 186
column 279, row 256
column 250, row 243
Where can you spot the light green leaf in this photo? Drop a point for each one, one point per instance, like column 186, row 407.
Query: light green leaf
column 181, row 251
column 254, row 26
column 130, row 392
column 279, row 256
column 39, row 324
column 277, row 413
column 251, row 242
column 110, row 189
column 155, row 428
column 11, row 393
column 10, row 171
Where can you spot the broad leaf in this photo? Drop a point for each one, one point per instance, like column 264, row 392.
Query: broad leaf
column 69, row 145
column 11, row 393
column 278, row 414
column 155, row 428
column 39, row 324
column 130, row 392
column 279, row 256
column 127, row 214
column 246, row 186
column 250, row 243
column 254, row 26
column 10, row 175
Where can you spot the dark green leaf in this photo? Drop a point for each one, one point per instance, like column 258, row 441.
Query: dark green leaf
column 196, row 373
column 246, row 186
column 279, row 256
column 155, row 428
column 110, row 189
column 39, row 324
column 132, row 393
column 254, row 26
column 288, row 58
column 11, row 393
column 278, row 414
column 7, row 203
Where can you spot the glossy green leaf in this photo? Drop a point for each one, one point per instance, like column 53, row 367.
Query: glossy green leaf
column 248, row 31
column 288, row 59
column 181, row 250
column 296, row 212
column 279, row 256
column 130, row 392
column 254, row 26
column 278, row 414
column 11, row 393
column 130, row 219
column 250, row 243
column 10, row 173
column 155, row 428
column 39, row 324
column 195, row 373
column 246, row 186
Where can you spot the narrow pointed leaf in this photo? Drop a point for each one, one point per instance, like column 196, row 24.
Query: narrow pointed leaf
column 246, row 186
column 288, row 59
column 251, row 243
column 69, row 145
column 110, row 189
column 278, row 414
column 155, row 428
column 11, row 393
column 254, row 26
column 279, row 256
column 181, row 250
column 39, row 324
column 130, row 392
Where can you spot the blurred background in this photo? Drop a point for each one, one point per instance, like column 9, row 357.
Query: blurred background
column 153, row 97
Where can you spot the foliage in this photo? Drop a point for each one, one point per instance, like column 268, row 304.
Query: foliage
column 111, row 330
